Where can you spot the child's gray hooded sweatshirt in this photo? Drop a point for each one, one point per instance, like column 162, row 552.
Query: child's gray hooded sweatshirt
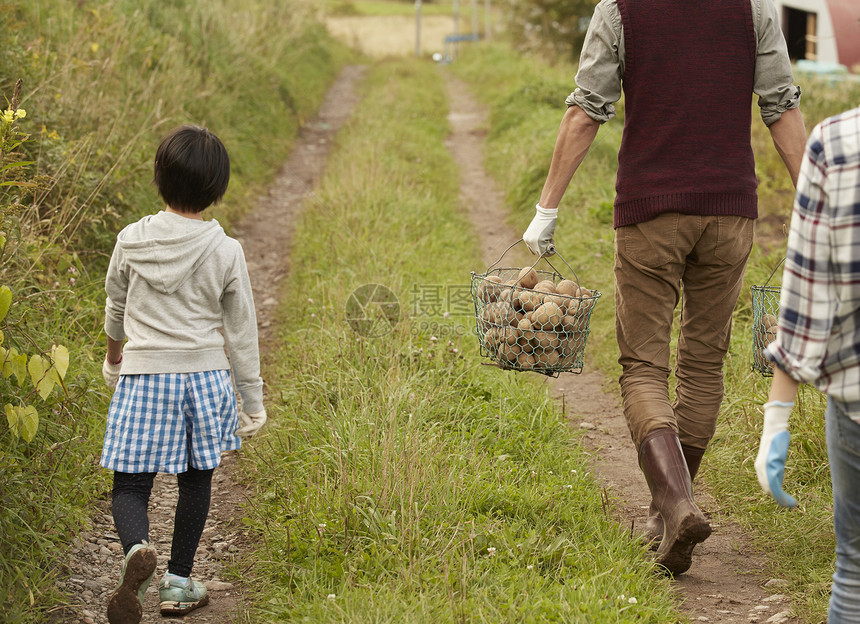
column 173, row 285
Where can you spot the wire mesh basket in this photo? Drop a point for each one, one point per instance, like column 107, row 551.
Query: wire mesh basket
column 532, row 320
column 765, row 304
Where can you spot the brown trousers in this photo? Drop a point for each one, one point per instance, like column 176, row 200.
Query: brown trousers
column 703, row 259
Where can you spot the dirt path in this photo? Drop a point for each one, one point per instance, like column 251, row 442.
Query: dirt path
column 726, row 582
column 266, row 235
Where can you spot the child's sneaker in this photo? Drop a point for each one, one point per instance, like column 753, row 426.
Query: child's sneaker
column 125, row 605
column 178, row 597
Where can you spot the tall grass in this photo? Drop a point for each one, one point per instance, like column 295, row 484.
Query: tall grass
column 102, row 82
column 105, row 83
column 414, row 484
column 526, row 100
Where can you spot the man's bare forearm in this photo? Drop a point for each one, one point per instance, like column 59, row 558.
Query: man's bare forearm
column 575, row 136
column 789, row 138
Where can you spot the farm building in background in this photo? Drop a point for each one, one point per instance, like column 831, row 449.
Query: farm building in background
column 823, row 31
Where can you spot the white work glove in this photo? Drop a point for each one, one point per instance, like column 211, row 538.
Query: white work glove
column 250, row 424
column 538, row 236
column 111, row 372
column 772, row 451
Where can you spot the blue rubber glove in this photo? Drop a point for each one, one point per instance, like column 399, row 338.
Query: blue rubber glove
column 772, row 451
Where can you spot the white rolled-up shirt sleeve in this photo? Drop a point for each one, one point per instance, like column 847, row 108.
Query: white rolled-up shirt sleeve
column 773, row 81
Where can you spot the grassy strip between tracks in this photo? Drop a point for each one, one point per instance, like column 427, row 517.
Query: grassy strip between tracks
column 401, row 480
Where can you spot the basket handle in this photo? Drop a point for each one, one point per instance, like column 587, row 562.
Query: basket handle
column 504, row 253
column 551, row 249
column 779, row 264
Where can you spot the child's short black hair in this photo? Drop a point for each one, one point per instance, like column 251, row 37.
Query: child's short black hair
column 192, row 169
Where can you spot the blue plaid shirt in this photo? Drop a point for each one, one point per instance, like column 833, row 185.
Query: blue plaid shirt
column 818, row 340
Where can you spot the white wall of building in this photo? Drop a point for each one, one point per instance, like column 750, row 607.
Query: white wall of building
column 826, row 40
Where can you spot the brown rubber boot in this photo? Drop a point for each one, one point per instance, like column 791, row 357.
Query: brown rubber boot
column 684, row 525
column 654, row 523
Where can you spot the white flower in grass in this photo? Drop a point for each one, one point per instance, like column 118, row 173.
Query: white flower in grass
column 530, row 567
column 331, row 597
column 491, row 552
column 632, row 600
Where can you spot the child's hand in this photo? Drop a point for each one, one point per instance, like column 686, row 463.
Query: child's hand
column 251, row 423
column 111, row 372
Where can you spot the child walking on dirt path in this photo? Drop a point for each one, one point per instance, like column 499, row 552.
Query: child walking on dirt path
column 818, row 339
column 178, row 291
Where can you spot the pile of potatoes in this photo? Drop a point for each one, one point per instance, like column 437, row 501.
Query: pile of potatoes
column 764, row 333
column 529, row 323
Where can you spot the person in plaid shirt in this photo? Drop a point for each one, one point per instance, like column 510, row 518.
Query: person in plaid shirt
column 818, row 338
column 178, row 293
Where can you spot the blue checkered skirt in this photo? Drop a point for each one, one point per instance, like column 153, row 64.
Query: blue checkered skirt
column 166, row 422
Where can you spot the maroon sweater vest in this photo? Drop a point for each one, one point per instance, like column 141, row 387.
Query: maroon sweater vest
column 688, row 86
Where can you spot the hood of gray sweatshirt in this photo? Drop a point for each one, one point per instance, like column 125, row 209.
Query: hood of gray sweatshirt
column 165, row 249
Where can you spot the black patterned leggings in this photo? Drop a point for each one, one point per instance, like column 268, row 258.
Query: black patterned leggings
column 131, row 492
